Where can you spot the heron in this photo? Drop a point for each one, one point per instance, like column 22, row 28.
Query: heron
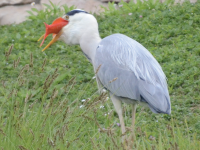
column 122, row 66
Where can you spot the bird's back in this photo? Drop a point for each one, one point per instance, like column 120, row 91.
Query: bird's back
column 128, row 70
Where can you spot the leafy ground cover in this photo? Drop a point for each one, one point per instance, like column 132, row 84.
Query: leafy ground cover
column 49, row 100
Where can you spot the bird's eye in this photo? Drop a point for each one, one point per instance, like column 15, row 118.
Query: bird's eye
column 67, row 17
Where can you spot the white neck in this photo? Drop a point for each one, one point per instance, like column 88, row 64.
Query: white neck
column 89, row 42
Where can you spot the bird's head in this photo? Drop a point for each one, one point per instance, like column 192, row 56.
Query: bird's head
column 70, row 27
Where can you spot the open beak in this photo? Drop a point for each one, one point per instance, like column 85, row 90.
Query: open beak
column 56, row 29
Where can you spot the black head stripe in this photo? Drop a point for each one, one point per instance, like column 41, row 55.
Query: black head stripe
column 75, row 11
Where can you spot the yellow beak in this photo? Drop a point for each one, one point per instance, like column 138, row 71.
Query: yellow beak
column 55, row 38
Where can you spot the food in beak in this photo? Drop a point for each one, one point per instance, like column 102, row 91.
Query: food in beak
column 56, row 29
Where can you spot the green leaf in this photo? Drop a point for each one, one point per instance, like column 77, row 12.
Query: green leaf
column 30, row 12
column 35, row 10
column 48, row 6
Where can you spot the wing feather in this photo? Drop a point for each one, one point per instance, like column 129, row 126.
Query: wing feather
column 137, row 71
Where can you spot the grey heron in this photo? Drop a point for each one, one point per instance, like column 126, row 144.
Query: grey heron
column 123, row 66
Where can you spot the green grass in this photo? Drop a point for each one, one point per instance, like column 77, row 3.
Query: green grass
column 41, row 92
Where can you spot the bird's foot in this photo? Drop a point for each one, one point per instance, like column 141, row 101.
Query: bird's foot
column 128, row 141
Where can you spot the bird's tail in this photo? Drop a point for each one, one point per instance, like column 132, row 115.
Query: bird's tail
column 156, row 96
column 46, row 33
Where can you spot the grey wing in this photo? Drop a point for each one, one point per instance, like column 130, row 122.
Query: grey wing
column 127, row 69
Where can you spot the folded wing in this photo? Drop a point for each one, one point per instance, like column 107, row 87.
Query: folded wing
column 127, row 69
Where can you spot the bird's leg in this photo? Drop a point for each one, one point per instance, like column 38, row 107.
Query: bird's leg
column 132, row 137
column 134, row 106
column 118, row 107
